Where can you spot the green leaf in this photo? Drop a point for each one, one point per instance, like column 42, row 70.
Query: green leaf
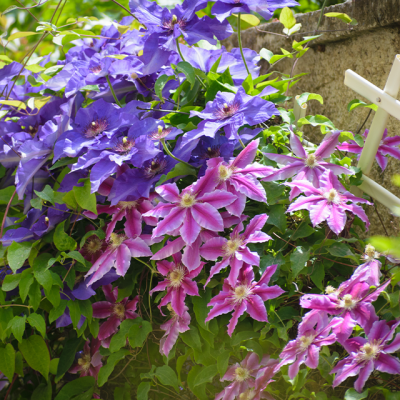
column 167, row 376
column 359, row 103
column 25, row 284
column 64, row 161
column 277, row 217
column 206, row 375
column 17, row 326
column 74, row 312
column 17, row 254
column 5, row 195
column 160, row 84
column 302, row 231
column 266, row 54
column 246, row 21
column 198, row 391
column 43, row 392
column 18, row 35
column 340, row 250
column 143, row 391
column 298, row 259
column 119, row 339
column 38, row 322
column 62, row 241
column 316, row 120
column 318, row 275
column 7, row 361
column 309, row 96
column 36, row 354
column 192, row 338
column 77, row 386
column 86, row 308
column 138, row 333
column 223, row 361
column 188, row 70
column 287, row 18
column 84, row 198
column 35, row 296
column 71, row 346
column 106, row 370
column 344, row 17
column 180, row 169
column 352, row 394
column 242, row 336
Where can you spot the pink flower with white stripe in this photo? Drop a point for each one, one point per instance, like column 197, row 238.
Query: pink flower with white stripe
column 118, row 255
column 369, row 354
column 306, row 166
column 245, row 295
column 195, row 208
column 234, row 252
column 313, row 333
column 247, row 378
column 240, row 177
column 173, row 327
column 389, row 146
column 178, row 283
column 328, row 202
column 114, row 311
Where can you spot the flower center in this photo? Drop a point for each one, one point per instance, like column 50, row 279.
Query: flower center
column 116, row 240
column 84, row 362
column 305, row 341
column 227, row 110
column 95, row 128
column 231, row 246
column 369, row 351
column 170, row 25
column 249, row 394
column 160, row 133
column 241, row 293
column 370, row 253
column 93, row 245
column 330, row 290
column 241, row 374
column 125, row 146
column 348, row 302
column 96, row 70
column 332, row 196
column 176, row 277
column 187, row 200
column 119, row 310
column 156, row 166
column 311, row 161
column 212, row 152
column 224, row 172
column 127, row 204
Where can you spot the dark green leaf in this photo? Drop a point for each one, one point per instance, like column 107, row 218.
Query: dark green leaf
column 7, row 361
column 17, row 326
column 71, row 347
column 11, row 282
column 277, row 217
column 298, row 259
column 188, row 70
column 17, row 254
column 138, row 333
column 106, row 370
column 302, row 231
column 166, row 375
column 25, row 284
column 77, row 386
column 36, row 354
column 62, row 241
column 205, row 375
column 64, row 161
column 43, row 392
column 74, row 312
column 352, row 394
column 143, row 391
column 38, row 322
column 160, row 84
column 245, row 335
column 84, row 198
column 223, row 361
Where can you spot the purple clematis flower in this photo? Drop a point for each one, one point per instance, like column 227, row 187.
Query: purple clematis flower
column 245, row 295
column 114, row 311
column 247, row 375
column 313, row 333
column 195, row 208
column 224, row 8
column 231, row 111
column 118, row 255
column 328, row 202
column 173, row 327
column 367, row 355
column 305, row 165
column 240, row 177
column 178, row 283
column 352, row 302
column 89, row 360
column 389, row 146
column 234, row 252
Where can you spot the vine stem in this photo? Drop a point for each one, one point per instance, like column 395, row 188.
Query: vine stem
column 12, row 383
column 6, row 212
column 112, row 91
column 171, row 155
column 240, row 43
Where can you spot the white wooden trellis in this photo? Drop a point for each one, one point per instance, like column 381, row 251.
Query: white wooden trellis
column 387, row 105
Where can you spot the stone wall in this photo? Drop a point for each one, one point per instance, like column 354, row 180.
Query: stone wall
column 368, row 49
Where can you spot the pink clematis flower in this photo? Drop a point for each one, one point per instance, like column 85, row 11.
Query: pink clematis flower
column 245, row 295
column 367, row 355
column 313, row 333
column 234, row 252
column 371, row 269
column 328, row 202
column 118, row 254
column 387, row 147
column 173, row 328
column 195, row 208
column 245, row 376
column 132, row 212
column 89, row 361
column 178, row 283
column 352, row 302
column 240, row 177
column 306, row 166
column 114, row 311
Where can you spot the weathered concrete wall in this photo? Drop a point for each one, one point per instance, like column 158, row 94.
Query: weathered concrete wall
column 368, row 49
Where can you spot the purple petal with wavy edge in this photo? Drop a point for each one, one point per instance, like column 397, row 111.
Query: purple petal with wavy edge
column 165, row 267
column 237, row 207
column 347, row 196
column 169, row 249
column 319, row 212
column 100, row 268
column 319, row 302
column 133, row 223
column 171, row 222
column 268, row 292
column 218, row 198
column 391, row 151
column 255, row 224
column 191, row 255
column 207, row 217
column 363, row 375
column 161, row 286
column 190, row 229
column 330, row 181
column 336, row 169
column 249, row 257
column 219, row 309
column 249, row 186
column 294, row 368
column 216, row 268
column 138, row 247
column 388, row 364
column 267, row 274
column 312, row 356
column 336, row 219
column 350, row 147
column 190, row 287
column 392, row 141
column 382, row 161
column 344, row 369
column 247, row 155
column 102, row 309
column 296, row 146
column 109, row 327
column 258, row 237
column 305, row 187
column 379, row 331
column 357, row 210
column 256, row 309
column 238, row 311
column 212, row 249
column 257, row 170
column 160, row 210
column 123, row 260
column 178, row 300
column 328, row 145
column 236, row 266
column 283, row 159
column 115, row 218
column 394, row 346
column 206, row 183
column 169, row 192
